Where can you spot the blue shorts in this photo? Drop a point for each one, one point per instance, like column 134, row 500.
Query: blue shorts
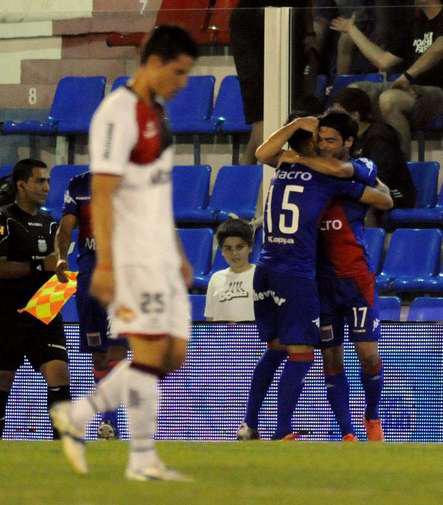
column 93, row 319
column 286, row 307
column 352, row 300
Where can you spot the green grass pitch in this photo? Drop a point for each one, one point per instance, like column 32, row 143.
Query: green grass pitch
column 229, row 473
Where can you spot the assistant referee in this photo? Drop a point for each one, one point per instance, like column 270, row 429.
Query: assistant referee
column 27, row 261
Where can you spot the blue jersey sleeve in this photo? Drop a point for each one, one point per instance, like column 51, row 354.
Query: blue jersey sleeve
column 70, row 204
column 365, row 171
column 350, row 189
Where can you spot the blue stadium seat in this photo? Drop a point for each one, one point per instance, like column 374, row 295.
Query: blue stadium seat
column 189, row 111
column 69, row 311
column 201, row 281
column 235, row 192
column 119, row 81
column 375, row 239
column 60, row 177
column 412, row 260
column 197, row 243
column 320, row 87
column 5, row 170
column 190, row 191
column 390, row 308
column 426, row 308
column 197, row 307
column 228, row 115
column 425, row 178
column 343, row 80
column 75, row 101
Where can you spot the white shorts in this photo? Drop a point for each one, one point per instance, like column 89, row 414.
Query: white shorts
column 150, row 300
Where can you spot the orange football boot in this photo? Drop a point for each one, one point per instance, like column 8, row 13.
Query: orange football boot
column 374, row 430
column 350, row 437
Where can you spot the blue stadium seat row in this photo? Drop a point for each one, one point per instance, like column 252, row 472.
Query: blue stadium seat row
column 235, row 192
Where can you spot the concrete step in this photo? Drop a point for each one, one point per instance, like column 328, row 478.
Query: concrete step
column 94, row 46
column 51, row 71
column 105, row 23
column 25, row 96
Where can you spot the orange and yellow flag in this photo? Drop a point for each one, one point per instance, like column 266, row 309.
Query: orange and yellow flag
column 50, row 298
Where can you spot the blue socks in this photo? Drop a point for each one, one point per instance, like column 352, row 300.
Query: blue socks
column 372, row 386
column 261, row 380
column 337, row 392
column 289, row 390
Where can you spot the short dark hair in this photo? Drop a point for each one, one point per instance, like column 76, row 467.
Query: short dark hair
column 168, row 42
column 234, row 227
column 355, row 100
column 340, row 121
column 22, row 170
column 297, row 140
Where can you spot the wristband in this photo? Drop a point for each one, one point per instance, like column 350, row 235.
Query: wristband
column 37, row 266
column 409, row 77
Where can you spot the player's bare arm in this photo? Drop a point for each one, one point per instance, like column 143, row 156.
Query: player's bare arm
column 186, row 267
column 272, row 148
column 102, row 189
column 425, row 62
column 62, row 243
column 379, row 197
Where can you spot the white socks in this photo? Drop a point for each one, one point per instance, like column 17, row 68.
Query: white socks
column 109, row 395
column 138, row 391
column 141, row 400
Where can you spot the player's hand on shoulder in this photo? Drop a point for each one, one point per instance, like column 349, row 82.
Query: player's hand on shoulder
column 50, row 262
column 60, row 270
column 187, row 273
column 102, row 286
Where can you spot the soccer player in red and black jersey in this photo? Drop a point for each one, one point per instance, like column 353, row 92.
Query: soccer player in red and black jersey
column 141, row 272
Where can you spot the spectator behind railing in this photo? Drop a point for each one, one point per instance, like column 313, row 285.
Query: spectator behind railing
column 247, row 41
column 416, row 97
column 337, row 53
column 379, row 142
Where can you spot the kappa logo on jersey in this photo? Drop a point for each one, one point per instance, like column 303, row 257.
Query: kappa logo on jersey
column 150, row 130
column 280, row 240
column 261, row 295
column 234, row 290
column 376, row 324
column 68, row 198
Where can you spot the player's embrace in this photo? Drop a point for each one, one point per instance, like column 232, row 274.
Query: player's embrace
column 141, row 272
column 286, row 302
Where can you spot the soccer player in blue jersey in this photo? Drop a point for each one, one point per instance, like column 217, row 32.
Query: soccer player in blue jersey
column 346, row 282
column 94, row 324
column 286, row 303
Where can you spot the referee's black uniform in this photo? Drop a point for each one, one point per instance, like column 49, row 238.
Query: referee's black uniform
column 28, row 238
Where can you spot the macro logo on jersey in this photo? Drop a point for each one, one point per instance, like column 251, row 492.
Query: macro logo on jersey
column 153, row 135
